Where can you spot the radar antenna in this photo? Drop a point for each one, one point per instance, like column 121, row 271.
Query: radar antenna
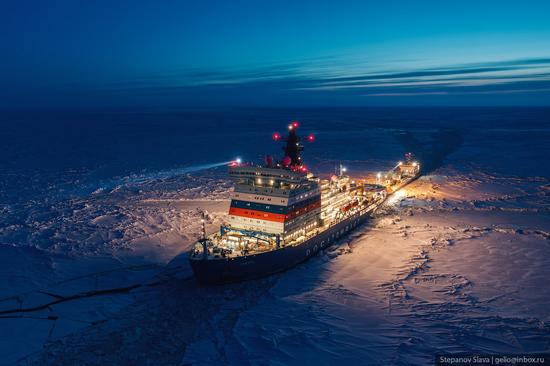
column 293, row 147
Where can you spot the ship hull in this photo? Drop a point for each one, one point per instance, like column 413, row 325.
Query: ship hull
column 226, row 270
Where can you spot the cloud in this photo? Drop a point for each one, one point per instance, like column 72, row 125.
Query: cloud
column 405, row 94
column 413, row 94
column 444, row 77
column 315, row 75
column 333, row 80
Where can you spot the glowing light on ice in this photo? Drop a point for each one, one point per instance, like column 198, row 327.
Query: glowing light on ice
column 163, row 174
column 397, row 197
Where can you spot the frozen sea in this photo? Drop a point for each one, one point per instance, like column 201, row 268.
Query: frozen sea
column 98, row 207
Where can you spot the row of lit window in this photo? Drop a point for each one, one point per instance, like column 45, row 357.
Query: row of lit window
column 260, row 198
column 257, row 173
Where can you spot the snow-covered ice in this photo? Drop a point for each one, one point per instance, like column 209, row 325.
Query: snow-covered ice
column 97, row 274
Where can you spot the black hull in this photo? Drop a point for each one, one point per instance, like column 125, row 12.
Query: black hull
column 225, row 270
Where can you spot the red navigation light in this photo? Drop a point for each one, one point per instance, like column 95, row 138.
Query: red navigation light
column 311, row 138
column 295, row 124
column 304, row 168
column 276, row 136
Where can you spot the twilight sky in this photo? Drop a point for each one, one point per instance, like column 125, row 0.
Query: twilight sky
column 66, row 53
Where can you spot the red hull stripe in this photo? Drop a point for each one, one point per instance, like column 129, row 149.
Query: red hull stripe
column 268, row 216
column 260, row 215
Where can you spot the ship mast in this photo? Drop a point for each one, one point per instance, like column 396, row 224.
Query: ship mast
column 293, row 147
column 342, row 170
column 203, row 239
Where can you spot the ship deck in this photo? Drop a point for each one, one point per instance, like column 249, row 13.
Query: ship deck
column 218, row 251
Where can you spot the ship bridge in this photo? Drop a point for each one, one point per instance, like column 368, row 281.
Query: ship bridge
column 273, row 200
column 280, row 198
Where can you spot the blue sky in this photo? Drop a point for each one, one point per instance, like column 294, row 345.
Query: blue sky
column 274, row 53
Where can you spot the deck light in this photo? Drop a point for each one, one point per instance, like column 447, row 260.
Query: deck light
column 238, row 160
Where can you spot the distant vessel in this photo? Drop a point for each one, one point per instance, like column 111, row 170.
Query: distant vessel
column 281, row 214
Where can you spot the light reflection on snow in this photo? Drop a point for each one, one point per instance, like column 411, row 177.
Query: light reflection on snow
column 397, row 197
column 173, row 172
column 164, row 174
